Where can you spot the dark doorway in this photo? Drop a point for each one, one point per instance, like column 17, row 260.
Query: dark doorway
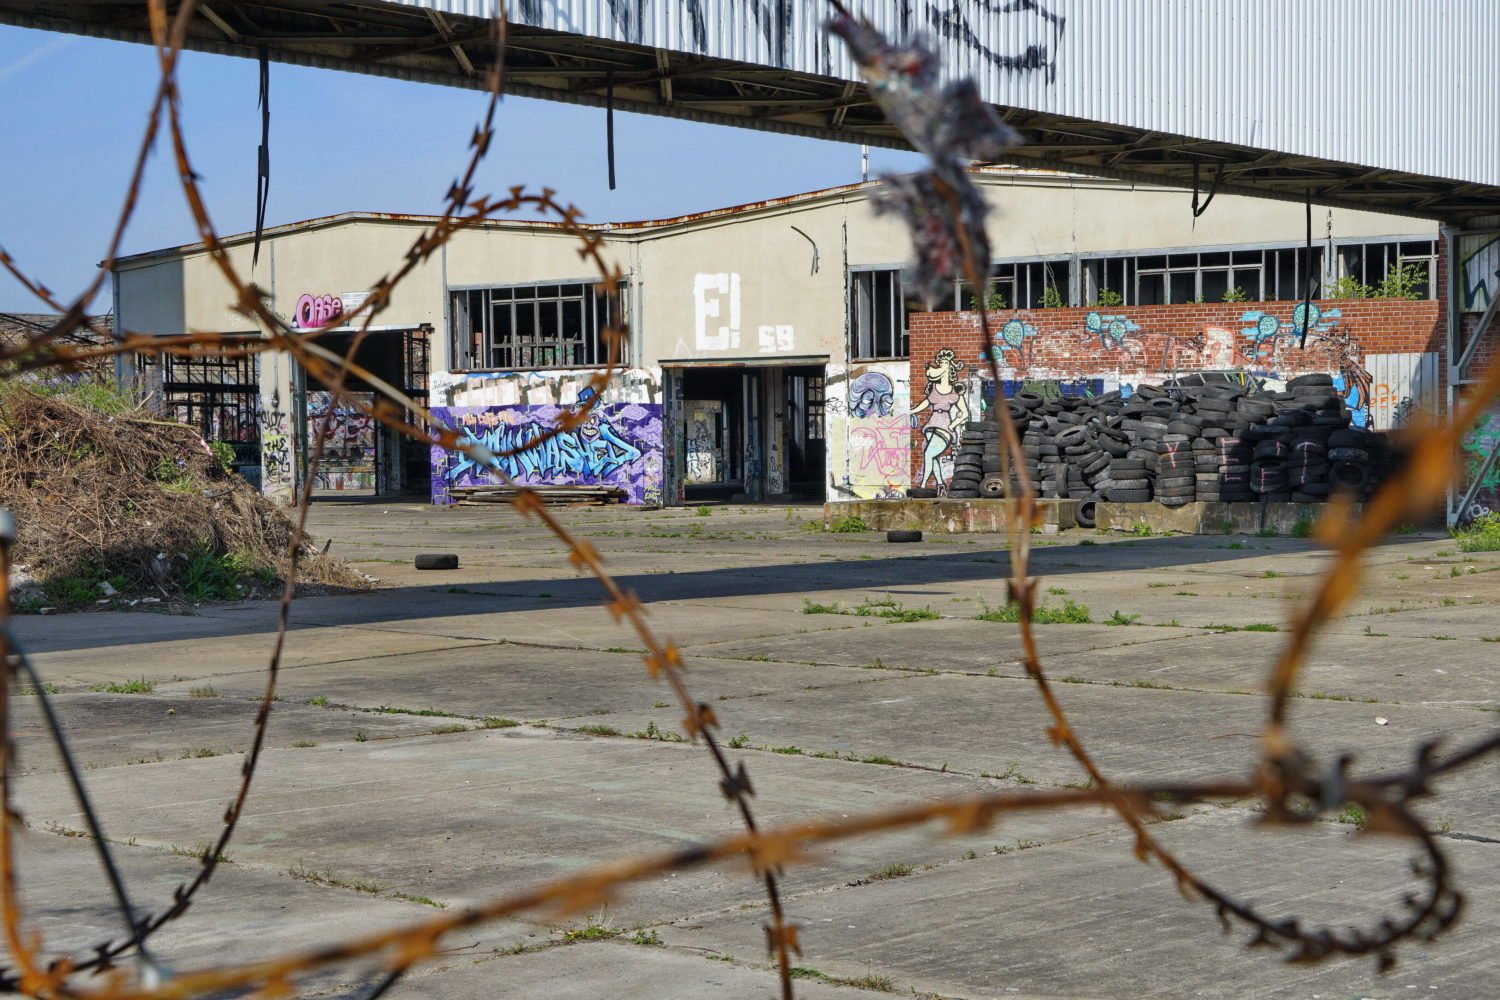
column 714, row 412
column 361, row 456
column 806, row 446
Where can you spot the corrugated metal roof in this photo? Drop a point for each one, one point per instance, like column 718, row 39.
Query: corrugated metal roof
column 1403, row 85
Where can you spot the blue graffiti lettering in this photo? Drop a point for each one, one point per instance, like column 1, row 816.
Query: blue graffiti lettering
column 592, row 452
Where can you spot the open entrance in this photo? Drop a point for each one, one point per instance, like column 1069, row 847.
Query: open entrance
column 362, row 457
column 750, row 433
column 218, row 395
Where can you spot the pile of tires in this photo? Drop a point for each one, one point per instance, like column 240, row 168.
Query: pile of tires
column 1193, row 439
column 976, row 464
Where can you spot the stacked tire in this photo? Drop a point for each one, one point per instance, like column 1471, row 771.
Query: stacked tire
column 1195, row 438
column 976, row 464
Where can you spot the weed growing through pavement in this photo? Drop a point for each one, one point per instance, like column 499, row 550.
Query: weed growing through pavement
column 893, row 870
column 140, row 685
column 1071, row 613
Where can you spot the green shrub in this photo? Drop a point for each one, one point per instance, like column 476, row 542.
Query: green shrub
column 1349, row 287
column 223, row 454
column 1482, row 535
column 1402, row 282
column 849, row 524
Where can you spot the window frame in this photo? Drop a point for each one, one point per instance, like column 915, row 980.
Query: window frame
column 898, row 338
column 477, row 346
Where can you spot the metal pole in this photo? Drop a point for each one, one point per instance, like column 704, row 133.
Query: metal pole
column 1453, row 321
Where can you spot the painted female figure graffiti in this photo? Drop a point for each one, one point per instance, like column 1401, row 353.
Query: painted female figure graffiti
column 950, row 411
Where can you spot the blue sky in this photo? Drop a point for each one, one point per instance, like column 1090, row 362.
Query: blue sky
column 72, row 110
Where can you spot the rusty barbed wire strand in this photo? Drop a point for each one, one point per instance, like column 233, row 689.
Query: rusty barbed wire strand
column 1285, row 774
column 75, row 314
column 661, row 657
column 903, row 81
column 787, row 845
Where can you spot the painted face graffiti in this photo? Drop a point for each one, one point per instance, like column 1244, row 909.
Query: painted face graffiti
column 871, row 395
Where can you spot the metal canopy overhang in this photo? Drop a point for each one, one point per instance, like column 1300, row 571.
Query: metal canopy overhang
column 426, row 46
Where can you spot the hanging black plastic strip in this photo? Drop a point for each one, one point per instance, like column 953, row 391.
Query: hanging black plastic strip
column 1307, row 277
column 1213, row 189
column 609, row 124
column 263, row 167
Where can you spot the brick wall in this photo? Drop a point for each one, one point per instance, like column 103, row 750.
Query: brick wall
column 1149, row 340
column 1131, row 345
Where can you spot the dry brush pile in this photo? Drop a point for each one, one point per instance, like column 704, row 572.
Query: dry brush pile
column 112, row 502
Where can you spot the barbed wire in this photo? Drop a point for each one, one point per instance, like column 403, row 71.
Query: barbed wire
column 939, row 122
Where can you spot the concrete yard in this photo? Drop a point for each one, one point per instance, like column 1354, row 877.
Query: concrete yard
column 384, row 798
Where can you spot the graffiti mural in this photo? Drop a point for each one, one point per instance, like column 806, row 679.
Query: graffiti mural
column 1032, row 34
column 869, row 431
column 871, row 395
column 348, row 459
column 275, row 446
column 705, row 455
column 1479, row 267
column 313, row 311
column 947, row 411
column 1012, row 336
column 1056, row 388
column 1114, row 332
column 550, row 388
column 620, row 444
column 1477, row 444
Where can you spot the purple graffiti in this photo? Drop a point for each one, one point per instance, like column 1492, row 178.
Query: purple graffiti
column 618, row 445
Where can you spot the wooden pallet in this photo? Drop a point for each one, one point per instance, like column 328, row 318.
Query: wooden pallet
column 474, row 496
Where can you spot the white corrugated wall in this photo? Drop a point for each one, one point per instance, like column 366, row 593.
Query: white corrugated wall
column 1398, row 84
column 1401, row 386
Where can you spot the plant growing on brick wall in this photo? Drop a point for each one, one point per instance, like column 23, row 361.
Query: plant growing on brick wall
column 1402, row 282
column 1349, row 287
column 1236, row 294
column 1109, row 298
column 1052, row 298
column 994, row 301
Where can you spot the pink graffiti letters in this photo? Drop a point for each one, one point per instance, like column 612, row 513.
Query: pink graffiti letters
column 314, row 311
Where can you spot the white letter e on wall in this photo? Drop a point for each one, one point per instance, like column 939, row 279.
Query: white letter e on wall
column 708, row 290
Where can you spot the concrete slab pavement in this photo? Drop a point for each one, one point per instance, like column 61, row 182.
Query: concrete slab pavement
column 452, row 817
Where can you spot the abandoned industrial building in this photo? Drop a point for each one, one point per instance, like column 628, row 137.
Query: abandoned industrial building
column 773, row 353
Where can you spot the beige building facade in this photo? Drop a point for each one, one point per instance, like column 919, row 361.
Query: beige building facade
column 768, row 351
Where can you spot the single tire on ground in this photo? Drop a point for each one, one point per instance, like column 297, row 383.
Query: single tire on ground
column 436, row 560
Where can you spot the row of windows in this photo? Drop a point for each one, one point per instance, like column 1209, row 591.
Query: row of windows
column 530, row 326
column 560, row 325
column 878, row 306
